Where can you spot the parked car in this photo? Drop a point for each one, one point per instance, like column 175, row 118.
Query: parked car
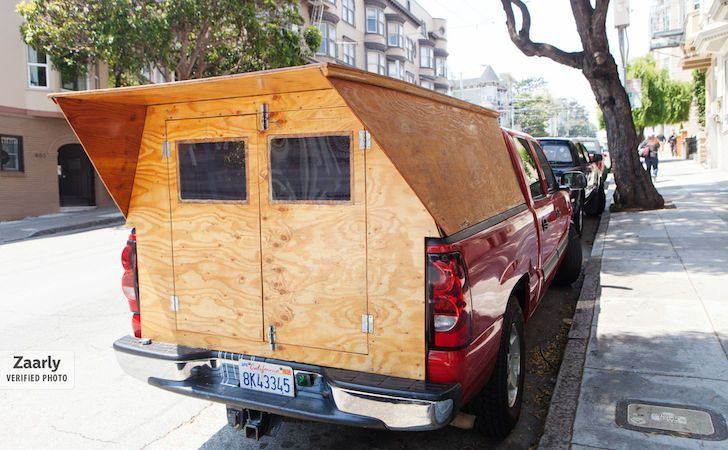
column 298, row 253
column 569, row 154
column 594, row 147
column 605, row 153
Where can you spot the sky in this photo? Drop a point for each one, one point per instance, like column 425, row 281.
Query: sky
column 477, row 35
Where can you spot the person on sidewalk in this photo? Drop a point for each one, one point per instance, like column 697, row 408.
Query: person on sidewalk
column 651, row 161
column 673, row 144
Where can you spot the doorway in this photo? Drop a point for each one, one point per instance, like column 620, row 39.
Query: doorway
column 75, row 177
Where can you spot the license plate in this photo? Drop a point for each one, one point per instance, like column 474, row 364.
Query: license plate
column 265, row 377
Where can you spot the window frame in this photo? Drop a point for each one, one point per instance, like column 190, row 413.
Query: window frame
column 429, row 53
column 327, row 42
column 348, row 10
column 399, row 65
column 381, row 62
column 75, row 84
column 348, row 134
column 348, row 44
column 410, row 49
column 541, row 182
column 378, row 17
column 21, row 156
column 440, row 63
column 246, row 148
column 45, row 66
column 398, row 34
column 410, row 77
column 546, row 168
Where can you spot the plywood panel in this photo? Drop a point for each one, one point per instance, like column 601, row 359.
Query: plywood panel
column 216, row 244
column 454, row 159
column 110, row 134
column 397, row 225
column 314, row 255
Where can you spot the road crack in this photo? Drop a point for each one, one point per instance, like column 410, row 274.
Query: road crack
column 186, row 422
column 76, row 433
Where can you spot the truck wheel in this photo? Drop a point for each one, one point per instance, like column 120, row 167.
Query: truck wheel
column 570, row 267
column 498, row 406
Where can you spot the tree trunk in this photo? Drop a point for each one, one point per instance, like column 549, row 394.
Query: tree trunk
column 634, row 186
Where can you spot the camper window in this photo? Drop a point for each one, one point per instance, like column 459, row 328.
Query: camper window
column 212, row 170
column 313, row 168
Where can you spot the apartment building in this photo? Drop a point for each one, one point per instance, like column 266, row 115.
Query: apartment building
column 397, row 38
column 490, row 90
column 43, row 168
column 706, row 49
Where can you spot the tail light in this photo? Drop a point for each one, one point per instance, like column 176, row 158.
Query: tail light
column 447, row 292
column 130, row 283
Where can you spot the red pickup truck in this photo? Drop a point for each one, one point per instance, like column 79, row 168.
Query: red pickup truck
column 299, row 253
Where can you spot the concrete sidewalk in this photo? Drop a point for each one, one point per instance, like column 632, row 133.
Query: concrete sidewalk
column 658, row 337
column 18, row 230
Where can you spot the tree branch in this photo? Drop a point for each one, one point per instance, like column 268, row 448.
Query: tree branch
column 523, row 41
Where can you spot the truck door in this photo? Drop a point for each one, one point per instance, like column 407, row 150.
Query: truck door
column 313, row 228
column 213, row 165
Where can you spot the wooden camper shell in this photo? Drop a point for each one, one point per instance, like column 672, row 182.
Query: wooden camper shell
column 437, row 165
column 449, row 151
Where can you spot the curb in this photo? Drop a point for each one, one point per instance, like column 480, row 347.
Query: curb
column 559, row 424
column 98, row 223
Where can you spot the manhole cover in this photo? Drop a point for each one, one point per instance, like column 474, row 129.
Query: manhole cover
column 679, row 420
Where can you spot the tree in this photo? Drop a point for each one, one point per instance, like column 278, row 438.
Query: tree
column 574, row 119
column 664, row 101
column 699, row 95
column 532, row 106
column 634, row 186
column 190, row 38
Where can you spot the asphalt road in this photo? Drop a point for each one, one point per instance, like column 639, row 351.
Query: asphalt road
column 63, row 293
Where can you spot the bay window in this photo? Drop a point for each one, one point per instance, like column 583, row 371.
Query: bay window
column 375, row 20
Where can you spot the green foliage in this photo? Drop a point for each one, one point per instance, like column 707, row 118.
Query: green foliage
column 533, row 106
column 664, row 101
column 699, row 94
column 574, row 119
column 192, row 38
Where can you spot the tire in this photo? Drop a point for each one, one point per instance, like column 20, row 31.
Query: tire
column 578, row 218
column 570, row 267
column 497, row 408
column 597, row 203
column 602, row 201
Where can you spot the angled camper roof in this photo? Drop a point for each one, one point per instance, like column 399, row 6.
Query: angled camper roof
column 450, row 152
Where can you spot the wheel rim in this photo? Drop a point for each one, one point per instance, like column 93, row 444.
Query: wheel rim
column 514, row 365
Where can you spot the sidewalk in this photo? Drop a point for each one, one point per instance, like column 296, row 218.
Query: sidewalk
column 18, row 230
column 658, row 337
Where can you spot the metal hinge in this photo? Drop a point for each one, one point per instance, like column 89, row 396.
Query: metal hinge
column 272, row 337
column 174, row 303
column 264, row 117
column 367, row 323
column 165, row 150
column 365, row 140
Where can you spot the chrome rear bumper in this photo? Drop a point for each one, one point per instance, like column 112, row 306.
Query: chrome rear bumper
column 335, row 396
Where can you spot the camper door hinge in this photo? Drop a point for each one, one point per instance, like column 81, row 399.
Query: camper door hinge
column 367, row 323
column 165, row 150
column 174, row 303
column 264, row 117
column 272, row 337
column 365, row 140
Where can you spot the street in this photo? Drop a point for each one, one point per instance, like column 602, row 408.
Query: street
column 63, row 293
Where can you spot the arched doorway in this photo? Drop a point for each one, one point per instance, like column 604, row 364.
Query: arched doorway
column 75, row 177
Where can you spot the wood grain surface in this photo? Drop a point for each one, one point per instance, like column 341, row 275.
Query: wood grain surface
column 454, row 159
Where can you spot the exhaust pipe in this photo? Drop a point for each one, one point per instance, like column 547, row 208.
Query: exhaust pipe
column 463, row 421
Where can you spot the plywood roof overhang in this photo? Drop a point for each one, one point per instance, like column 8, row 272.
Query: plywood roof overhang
column 442, row 146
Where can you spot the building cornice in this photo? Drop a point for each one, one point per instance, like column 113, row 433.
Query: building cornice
column 710, row 40
column 36, row 113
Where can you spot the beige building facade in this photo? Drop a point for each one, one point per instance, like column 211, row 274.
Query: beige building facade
column 42, row 166
column 398, row 38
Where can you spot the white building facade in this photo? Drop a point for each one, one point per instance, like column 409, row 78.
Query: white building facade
column 489, row 90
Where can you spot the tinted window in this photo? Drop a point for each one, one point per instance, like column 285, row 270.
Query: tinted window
column 311, row 168
column 557, row 152
column 581, row 151
column 546, row 167
column 212, row 170
column 529, row 168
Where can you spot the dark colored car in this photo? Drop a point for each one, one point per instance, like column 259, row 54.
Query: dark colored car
column 568, row 155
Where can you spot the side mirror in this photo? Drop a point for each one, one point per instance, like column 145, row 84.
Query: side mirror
column 596, row 157
column 575, row 181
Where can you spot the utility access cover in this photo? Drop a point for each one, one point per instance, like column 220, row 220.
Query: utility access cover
column 679, row 420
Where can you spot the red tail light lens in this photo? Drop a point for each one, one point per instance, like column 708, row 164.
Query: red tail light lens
column 129, row 282
column 447, row 290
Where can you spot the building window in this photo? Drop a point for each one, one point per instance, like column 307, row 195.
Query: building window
column 395, row 34
column 74, row 84
column 441, row 67
column 411, row 49
column 427, row 84
column 11, row 153
column 423, row 29
column 396, row 69
column 328, row 39
column 409, row 77
column 349, row 48
column 426, row 57
column 347, row 9
column 375, row 63
column 375, row 21
column 37, row 68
